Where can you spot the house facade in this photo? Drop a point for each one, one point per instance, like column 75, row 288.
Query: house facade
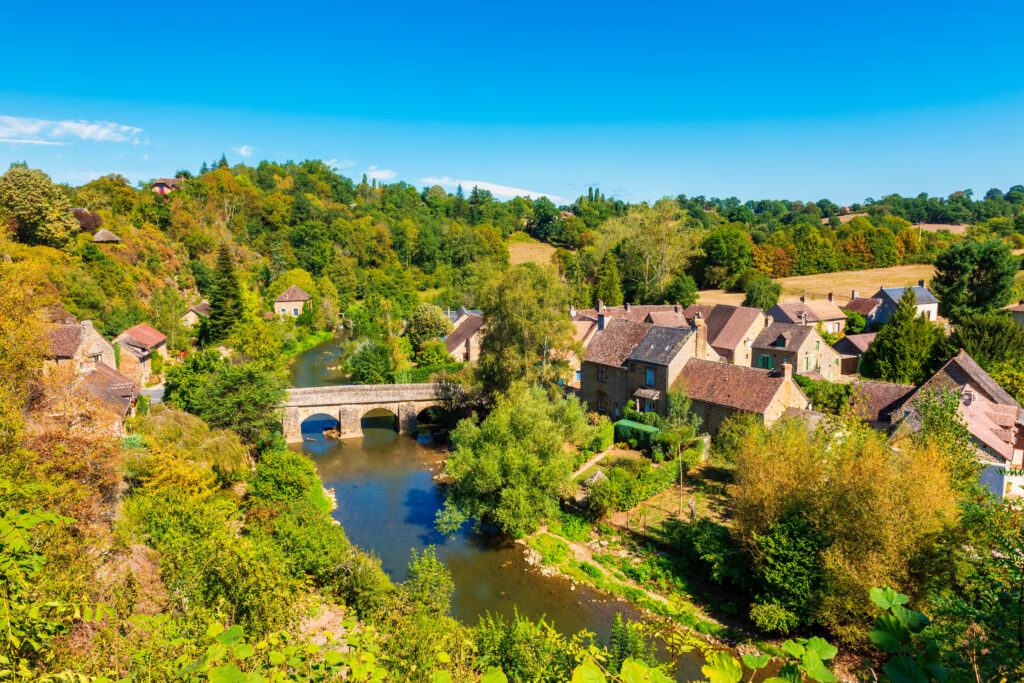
column 78, row 345
column 463, row 344
column 731, row 329
column 800, row 346
column 924, row 301
column 717, row 391
column 851, row 350
column 138, row 344
column 165, row 185
column 811, row 312
column 194, row 314
column 291, row 302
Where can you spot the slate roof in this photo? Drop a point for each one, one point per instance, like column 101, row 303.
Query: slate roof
column 660, row 345
column 104, row 235
column 202, row 309
column 63, row 340
column 854, row 344
column 877, row 401
column 466, row 329
column 293, row 293
column 613, row 344
column 817, row 310
column 111, row 387
column 862, row 305
column 727, row 325
column 793, row 335
column 459, row 312
column 891, row 295
column 146, row 336
column 732, row 386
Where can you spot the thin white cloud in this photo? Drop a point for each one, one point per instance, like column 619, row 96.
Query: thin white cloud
column 43, row 130
column 344, row 163
column 501, row 191
column 245, row 150
column 13, row 141
column 375, row 173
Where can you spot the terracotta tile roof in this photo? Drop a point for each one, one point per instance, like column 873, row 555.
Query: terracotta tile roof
column 862, row 305
column 111, row 387
column 667, row 319
column 692, row 310
column 660, row 345
column 854, row 344
column 293, row 293
column 63, row 340
column 728, row 324
column 583, row 330
column 1018, row 308
column 877, row 401
column 783, row 336
column 817, row 310
column 466, row 329
column 146, row 336
column 613, row 344
column 635, row 313
column 732, row 386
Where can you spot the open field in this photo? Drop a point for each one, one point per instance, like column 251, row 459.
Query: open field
column 524, row 249
column 866, row 282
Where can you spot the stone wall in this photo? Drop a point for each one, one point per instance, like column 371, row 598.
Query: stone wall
column 348, row 404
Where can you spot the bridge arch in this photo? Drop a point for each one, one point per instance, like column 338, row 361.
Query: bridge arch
column 349, row 403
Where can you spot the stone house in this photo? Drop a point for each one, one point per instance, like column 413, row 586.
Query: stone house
column 731, row 329
column 165, row 185
column 798, row 345
column 459, row 314
column 851, row 349
column 876, row 402
column 811, row 312
column 666, row 315
column 463, row 344
column 604, row 377
column 993, row 417
column 655, row 362
column 584, row 330
column 1018, row 314
column 78, row 345
column 111, row 389
column 924, row 301
column 291, row 302
column 194, row 314
column 138, row 344
column 866, row 306
column 718, row 391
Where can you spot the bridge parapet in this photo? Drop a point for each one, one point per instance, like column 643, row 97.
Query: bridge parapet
column 348, row 403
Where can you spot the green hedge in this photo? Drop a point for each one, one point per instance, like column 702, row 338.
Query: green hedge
column 604, row 438
column 644, row 435
column 422, row 375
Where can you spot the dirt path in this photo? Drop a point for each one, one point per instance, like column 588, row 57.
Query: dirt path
column 590, row 463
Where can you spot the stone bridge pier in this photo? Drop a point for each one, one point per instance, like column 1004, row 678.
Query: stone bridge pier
column 349, row 403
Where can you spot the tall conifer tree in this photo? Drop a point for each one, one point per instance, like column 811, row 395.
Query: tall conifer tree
column 225, row 300
column 608, row 288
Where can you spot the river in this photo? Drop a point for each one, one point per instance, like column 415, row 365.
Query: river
column 387, row 500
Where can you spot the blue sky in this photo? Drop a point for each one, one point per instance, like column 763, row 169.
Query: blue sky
column 756, row 100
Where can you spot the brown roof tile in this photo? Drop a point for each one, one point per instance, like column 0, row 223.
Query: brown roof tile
column 293, row 293
column 635, row 313
column 794, row 336
column 466, row 329
column 862, row 305
column 854, row 344
column 613, row 344
column 667, row 319
column 146, row 335
column 732, row 386
column 817, row 310
column 727, row 325
column 63, row 340
column 877, row 401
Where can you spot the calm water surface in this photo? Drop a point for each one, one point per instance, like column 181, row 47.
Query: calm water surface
column 387, row 500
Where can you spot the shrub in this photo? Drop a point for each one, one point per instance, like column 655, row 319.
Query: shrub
column 552, row 550
column 286, row 477
column 773, row 618
column 591, row 570
column 571, row 526
column 642, row 434
column 602, row 441
column 157, row 363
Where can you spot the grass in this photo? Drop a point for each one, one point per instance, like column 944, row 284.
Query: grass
column 866, row 282
column 525, row 249
column 308, row 342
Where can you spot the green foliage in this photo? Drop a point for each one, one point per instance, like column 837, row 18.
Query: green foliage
column 524, row 650
column 943, row 430
column 896, row 633
column 788, row 567
column 511, row 468
column 36, row 208
column 644, row 435
column 825, row 396
column 286, row 477
column 761, row 292
column 681, row 289
column 245, row 399
column 628, row 484
column 771, row 617
column 430, row 583
column 184, row 381
column 187, row 436
column 974, row 277
column 572, row 527
column 428, row 323
column 727, row 254
column 627, row 641
column 855, row 322
column 372, row 363
column 990, row 338
column 604, row 436
column 433, row 353
column 225, row 299
column 907, row 349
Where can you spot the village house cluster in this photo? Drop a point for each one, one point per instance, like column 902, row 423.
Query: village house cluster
column 733, row 359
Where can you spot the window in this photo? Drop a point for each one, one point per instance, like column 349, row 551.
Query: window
column 579, row 375
column 817, row 346
column 295, row 312
column 616, row 409
column 283, row 311
column 807, row 362
column 648, row 405
column 602, row 373
column 650, row 377
column 600, row 402
column 765, row 362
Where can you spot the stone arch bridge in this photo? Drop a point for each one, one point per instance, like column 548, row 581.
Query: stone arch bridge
column 348, row 404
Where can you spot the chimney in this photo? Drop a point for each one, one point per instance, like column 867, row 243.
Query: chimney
column 803, row 297
column 700, row 344
column 600, row 321
column 787, row 370
column 831, row 297
column 600, row 305
column 627, row 307
column 803, row 318
column 853, row 295
column 572, row 310
column 697, row 316
column 920, row 283
column 676, row 307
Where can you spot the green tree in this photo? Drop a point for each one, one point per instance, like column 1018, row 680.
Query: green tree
column 761, row 292
column 36, row 208
column 528, row 336
column 511, row 468
column 627, row 641
column 609, row 286
column 907, row 349
column 990, row 338
column 372, row 363
column 943, row 429
column 727, row 253
column 544, row 222
column 974, row 277
column 428, row 322
column 245, row 399
column 855, row 322
column 168, row 306
column 681, row 289
column 225, row 300
column 185, row 380
column 430, row 583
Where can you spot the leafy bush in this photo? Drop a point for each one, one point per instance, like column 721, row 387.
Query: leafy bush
column 628, row 430
column 773, row 618
column 710, row 546
column 286, row 477
column 553, row 551
column 157, row 363
column 571, row 526
column 591, row 570
column 629, row 485
column 602, row 441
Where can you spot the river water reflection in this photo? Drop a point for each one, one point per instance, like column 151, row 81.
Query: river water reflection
column 387, row 500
